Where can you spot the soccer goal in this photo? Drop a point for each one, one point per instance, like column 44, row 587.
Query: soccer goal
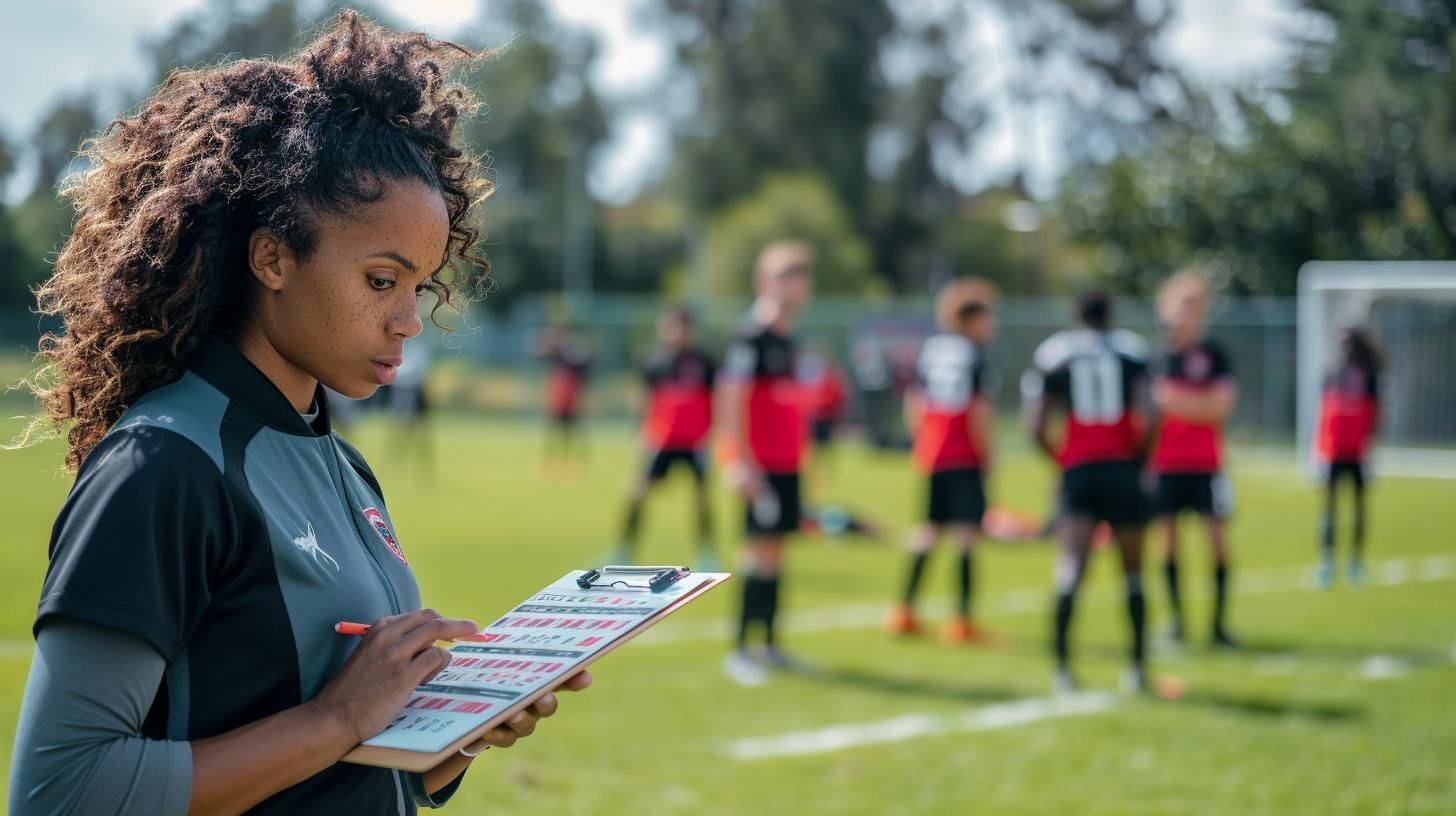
column 1410, row 309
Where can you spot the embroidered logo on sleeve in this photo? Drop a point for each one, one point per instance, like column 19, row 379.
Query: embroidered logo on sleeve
column 376, row 520
column 308, row 544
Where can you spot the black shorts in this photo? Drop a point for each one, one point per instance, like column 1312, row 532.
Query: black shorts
column 776, row 510
column 956, row 497
column 1106, row 491
column 660, row 463
column 1208, row 494
column 1353, row 470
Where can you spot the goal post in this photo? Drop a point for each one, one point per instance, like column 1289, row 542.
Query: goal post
column 1409, row 307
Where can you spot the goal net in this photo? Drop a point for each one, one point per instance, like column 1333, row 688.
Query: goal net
column 1409, row 307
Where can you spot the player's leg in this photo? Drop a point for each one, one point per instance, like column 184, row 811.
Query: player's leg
column 1167, row 525
column 1356, row 571
column 1216, row 508
column 959, row 628
column 786, row 487
column 636, row 505
column 1129, row 539
column 1325, row 573
column 1075, row 543
column 902, row 619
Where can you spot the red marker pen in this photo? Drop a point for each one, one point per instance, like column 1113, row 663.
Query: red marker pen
column 362, row 629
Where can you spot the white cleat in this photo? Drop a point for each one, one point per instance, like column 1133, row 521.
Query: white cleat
column 1064, row 684
column 741, row 668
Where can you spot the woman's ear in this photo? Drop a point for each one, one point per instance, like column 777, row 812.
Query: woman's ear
column 269, row 259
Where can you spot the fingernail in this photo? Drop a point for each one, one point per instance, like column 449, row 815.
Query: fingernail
column 547, row 700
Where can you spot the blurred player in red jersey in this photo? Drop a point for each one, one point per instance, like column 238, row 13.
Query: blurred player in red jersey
column 1349, row 413
column 1195, row 390
column 1098, row 380
column 951, row 418
column 679, row 378
column 761, row 416
column 569, row 359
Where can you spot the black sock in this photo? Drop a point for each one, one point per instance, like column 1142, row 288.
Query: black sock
column 964, row 584
column 1137, row 613
column 917, row 569
column 1357, row 554
column 1064, row 605
column 770, row 607
column 752, row 610
column 1175, row 603
column 1220, row 595
column 705, row 524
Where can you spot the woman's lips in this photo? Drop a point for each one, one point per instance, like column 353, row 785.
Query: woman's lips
column 385, row 373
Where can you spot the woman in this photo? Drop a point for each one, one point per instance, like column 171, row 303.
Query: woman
column 255, row 232
column 1348, row 416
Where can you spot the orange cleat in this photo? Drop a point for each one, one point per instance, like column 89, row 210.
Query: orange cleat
column 960, row 630
column 900, row 620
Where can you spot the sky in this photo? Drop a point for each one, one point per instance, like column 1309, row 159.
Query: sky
column 96, row 44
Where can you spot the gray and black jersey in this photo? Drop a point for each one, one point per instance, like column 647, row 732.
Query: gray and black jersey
column 217, row 525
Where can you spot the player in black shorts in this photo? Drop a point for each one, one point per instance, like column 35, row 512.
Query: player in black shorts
column 1195, row 391
column 679, row 379
column 761, row 416
column 1098, row 379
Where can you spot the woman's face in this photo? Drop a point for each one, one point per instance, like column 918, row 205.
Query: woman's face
column 341, row 316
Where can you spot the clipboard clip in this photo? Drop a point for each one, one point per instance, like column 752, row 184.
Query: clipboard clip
column 651, row 579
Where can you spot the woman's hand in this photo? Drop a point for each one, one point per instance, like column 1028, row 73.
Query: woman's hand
column 397, row 654
column 524, row 723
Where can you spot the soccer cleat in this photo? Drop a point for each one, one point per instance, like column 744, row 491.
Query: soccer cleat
column 900, row 620
column 774, row 658
column 1355, row 574
column 960, row 630
column 741, row 668
column 1063, row 683
column 1223, row 640
column 1175, row 633
column 1135, row 680
column 1324, row 575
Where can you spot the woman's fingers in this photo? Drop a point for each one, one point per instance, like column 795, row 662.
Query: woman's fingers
column 546, row 706
column 577, row 681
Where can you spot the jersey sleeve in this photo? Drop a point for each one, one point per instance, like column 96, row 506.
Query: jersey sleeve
column 136, row 545
column 1221, row 363
column 740, row 362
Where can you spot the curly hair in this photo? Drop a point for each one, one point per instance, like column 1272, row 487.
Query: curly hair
column 157, row 257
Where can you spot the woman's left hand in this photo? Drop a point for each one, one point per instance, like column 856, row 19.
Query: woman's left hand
column 523, row 724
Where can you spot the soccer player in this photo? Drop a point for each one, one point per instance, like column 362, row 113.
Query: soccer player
column 1098, row 380
column 951, row 419
column 1194, row 390
column 1349, row 414
column 679, row 416
column 569, row 359
column 760, row 412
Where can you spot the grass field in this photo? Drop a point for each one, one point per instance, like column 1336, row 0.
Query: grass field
column 1343, row 701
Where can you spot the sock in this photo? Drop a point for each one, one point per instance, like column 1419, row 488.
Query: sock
column 752, row 607
column 1220, row 595
column 1137, row 613
column 1175, row 603
column 964, row 584
column 1357, row 554
column 1327, row 537
column 1063, row 623
column 770, row 607
column 917, row 569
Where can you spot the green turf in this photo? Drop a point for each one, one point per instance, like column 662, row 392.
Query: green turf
column 1290, row 725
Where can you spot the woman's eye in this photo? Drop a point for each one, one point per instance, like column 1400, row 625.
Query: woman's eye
column 381, row 284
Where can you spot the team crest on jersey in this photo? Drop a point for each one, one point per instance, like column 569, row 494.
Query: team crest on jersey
column 376, row 520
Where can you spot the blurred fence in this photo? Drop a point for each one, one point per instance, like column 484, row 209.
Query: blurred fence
column 487, row 364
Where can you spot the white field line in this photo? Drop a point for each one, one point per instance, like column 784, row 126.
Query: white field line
column 1262, row 581
column 913, row 726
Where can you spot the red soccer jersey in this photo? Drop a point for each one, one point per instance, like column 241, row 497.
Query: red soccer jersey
column 1094, row 376
column 1349, row 411
column 680, row 401
column 824, row 390
column 765, row 360
column 951, row 375
column 564, row 383
column 1184, row 446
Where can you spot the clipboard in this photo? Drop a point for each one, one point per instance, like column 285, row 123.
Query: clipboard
column 588, row 613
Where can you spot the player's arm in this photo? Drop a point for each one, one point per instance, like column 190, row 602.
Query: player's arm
column 730, row 416
column 913, row 409
column 982, row 417
column 1145, row 414
column 1206, row 406
column 1044, row 393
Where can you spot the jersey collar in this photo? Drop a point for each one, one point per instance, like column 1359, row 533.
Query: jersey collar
column 229, row 371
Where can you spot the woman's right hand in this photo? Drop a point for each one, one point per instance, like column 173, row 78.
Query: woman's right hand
column 397, row 654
